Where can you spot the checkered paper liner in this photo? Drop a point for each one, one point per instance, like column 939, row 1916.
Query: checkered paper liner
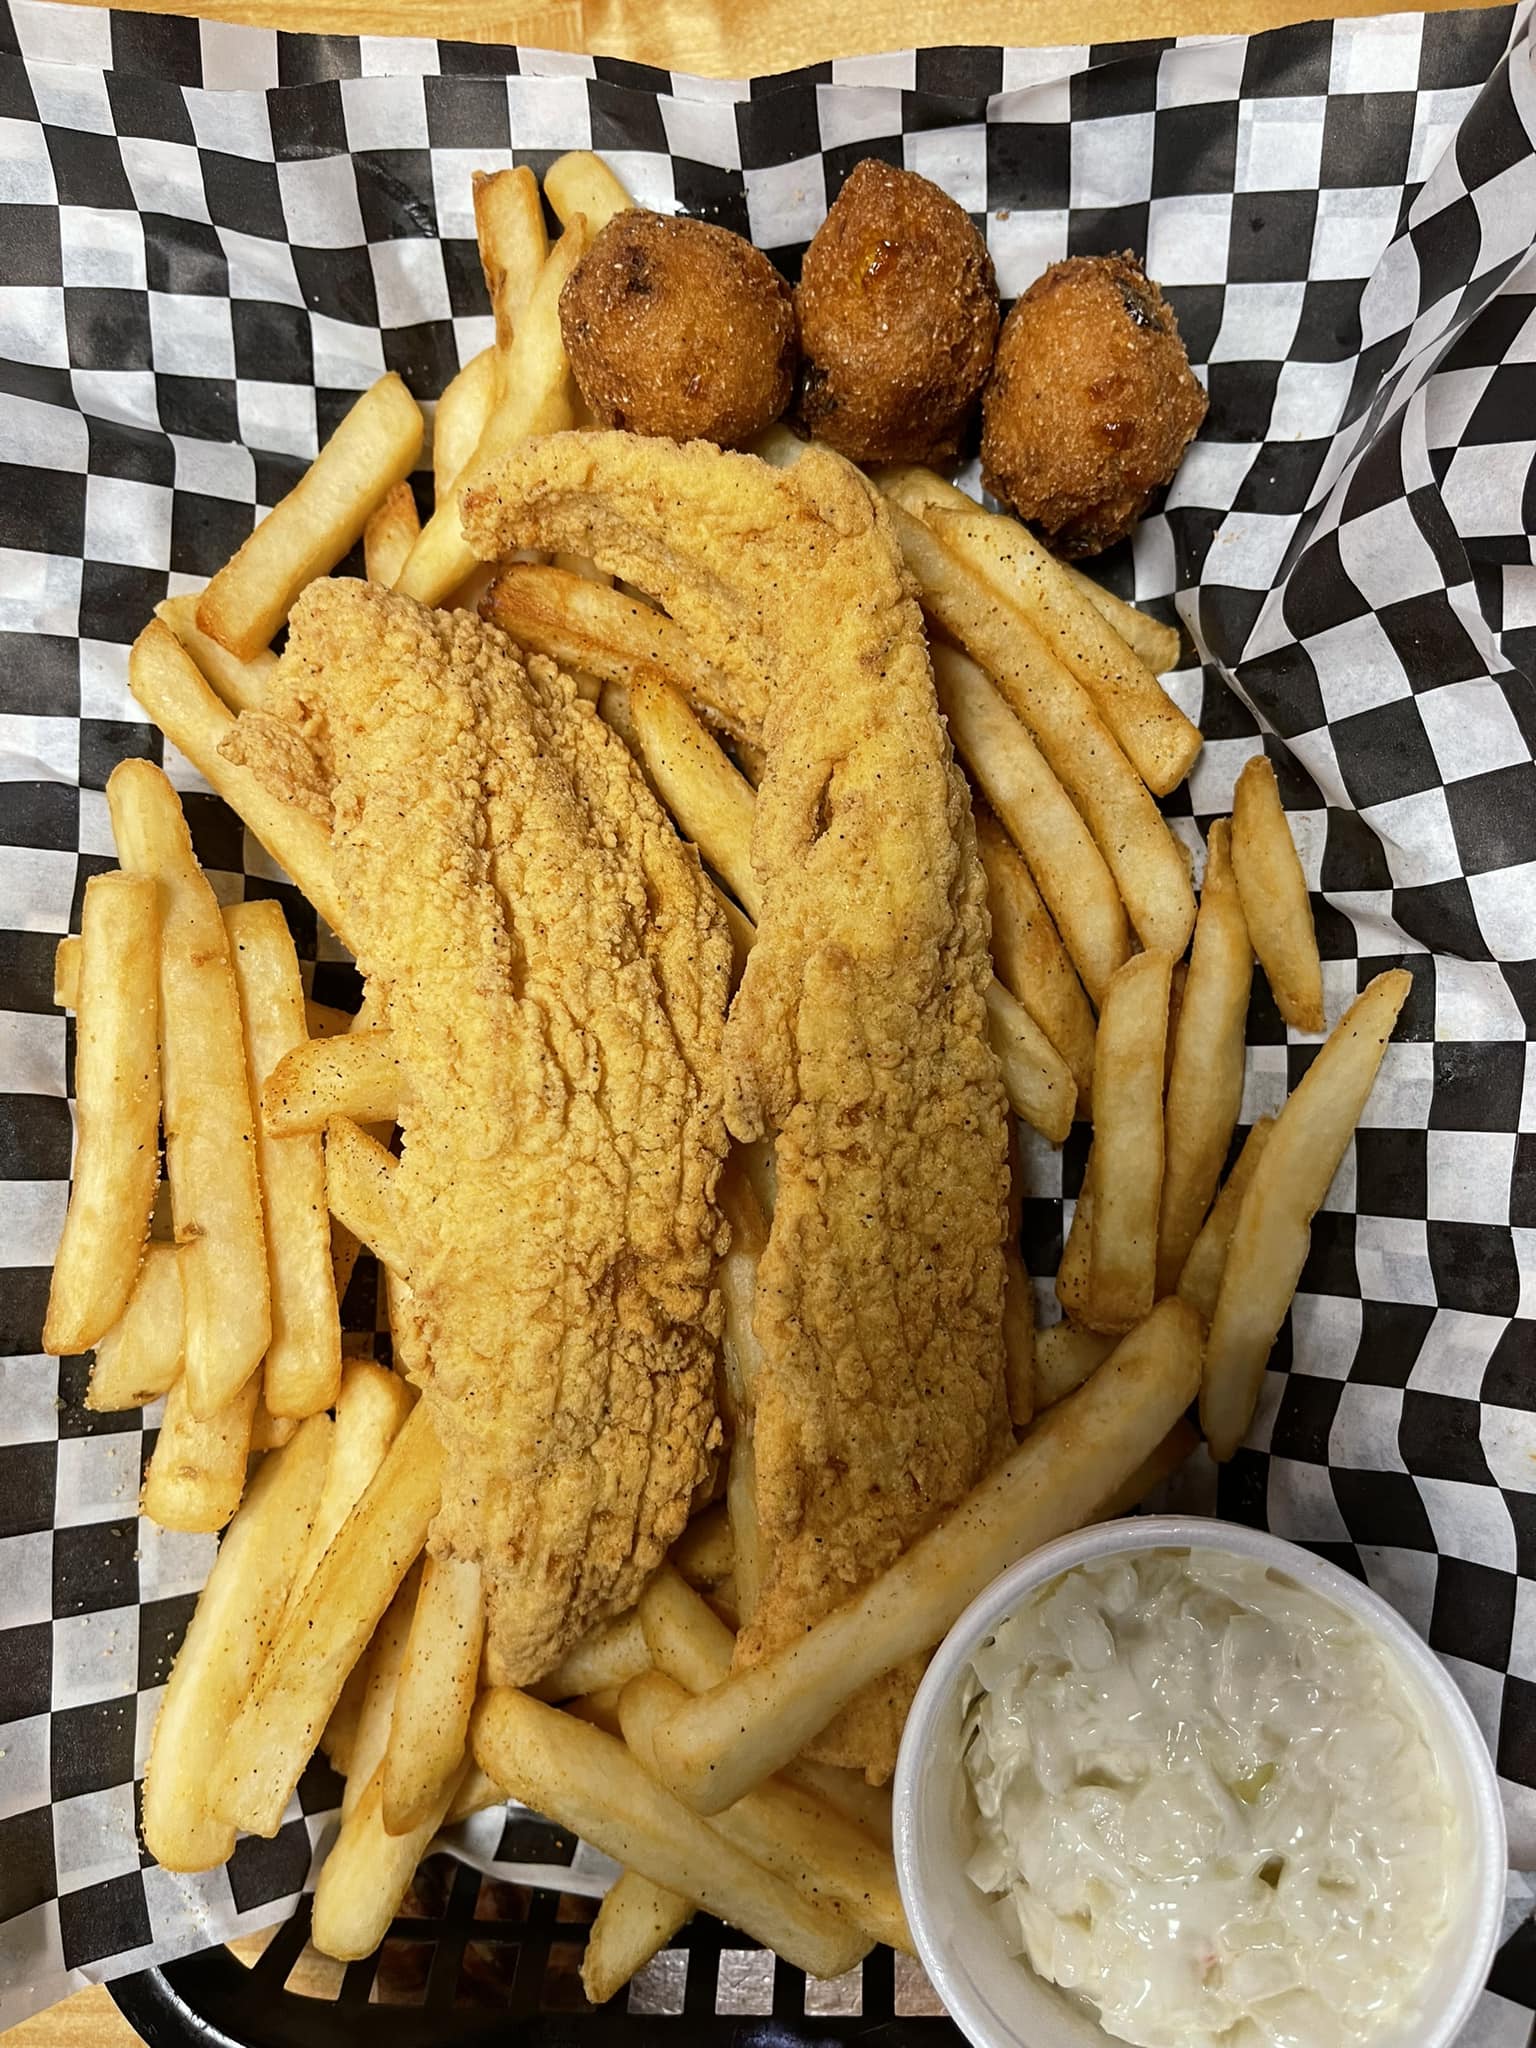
column 213, row 237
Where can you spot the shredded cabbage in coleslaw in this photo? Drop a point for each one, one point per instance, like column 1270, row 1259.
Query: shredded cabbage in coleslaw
column 1208, row 1805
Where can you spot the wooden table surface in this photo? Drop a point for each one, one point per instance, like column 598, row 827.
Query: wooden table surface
column 722, row 39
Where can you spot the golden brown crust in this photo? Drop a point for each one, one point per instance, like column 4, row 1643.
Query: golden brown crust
column 858, row 1035
column 674, row 326
column 898, row 317
column 555, row 969
column 1091, row 402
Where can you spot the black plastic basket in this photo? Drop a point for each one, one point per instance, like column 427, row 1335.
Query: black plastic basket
column 470, row 1957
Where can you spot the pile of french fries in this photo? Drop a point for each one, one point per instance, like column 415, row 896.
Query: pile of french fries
column 326, row 1622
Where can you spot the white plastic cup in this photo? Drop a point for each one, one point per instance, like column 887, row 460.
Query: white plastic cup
column 994, row 1996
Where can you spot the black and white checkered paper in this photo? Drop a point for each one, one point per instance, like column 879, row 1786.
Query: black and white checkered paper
column 213, row 237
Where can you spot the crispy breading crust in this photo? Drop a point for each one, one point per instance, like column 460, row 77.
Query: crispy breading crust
column 555, row 970
column 858, row 1035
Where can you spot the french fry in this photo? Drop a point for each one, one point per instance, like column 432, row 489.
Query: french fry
column 139, row 1358
column 475, row 1793
column 380, row 1664
column 587, row 1781
column 1274, row 897
column 742, row 1357
column 1274, row 1223
column 600, row 1709
column 612, row 1654
column 1018, row 1337
column 242, row 685
column 1200, row 1281
column 1205, row 1082
column 307, row 534
column 720, row 1744
column 322, row 1637
column 810, row 1845
column 462, row 412
column 226, row 1640
column 704, row 1553
column 1128, row 1144
column 514, row 247
column 210, row 1153
column 367, row 1873
column 66, row 972
column 581, row 183
column 270, row 1432
column 1177, row 979
column 1031, row 961
column 430, row 1724
column 760, row 1165
column 635, row 1922
column 170, row 686
column 1155, row 643
column 602, row 632
column 540, row 399
column 712, row 801
column 1038, row 816
column 358, row 1177
column 1037, row 1079
column 1064, row 1357
column 684, row 1637
column 1072, row 1274
column 196, row 1472
column 356, row 1076
column 722, row 1601
column 1158, row 740
column 1176, row 1449
column 323, row 1020
column 371, row 1407
column 869, row 1806
column 117, row 1112
column 302, row 1369
column 1142, row 854
column 390, row 534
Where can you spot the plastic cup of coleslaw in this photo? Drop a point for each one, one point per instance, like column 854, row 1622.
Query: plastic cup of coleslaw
column 990, row 1989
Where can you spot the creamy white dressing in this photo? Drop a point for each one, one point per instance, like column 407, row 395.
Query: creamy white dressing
column 1208, row 1805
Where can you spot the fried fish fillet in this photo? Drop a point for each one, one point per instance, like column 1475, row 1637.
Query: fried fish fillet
column 554, row 969
column 858, row 1036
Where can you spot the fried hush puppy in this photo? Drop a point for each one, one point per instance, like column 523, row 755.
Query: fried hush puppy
column 898, row 319
column 1090, row 404
column 679, row 328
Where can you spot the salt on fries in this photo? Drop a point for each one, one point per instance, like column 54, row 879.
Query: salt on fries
column 1208, row 1047
column 1159, row 741
column 355, row 1076
column 1031, row 961
column 1274, row 895
column 1274, row 1222
column 302, row 1368
column 325, row 1632
column 226, row 1642
column 1145, row 859
column 117, row 1109
column 325, row 1623
column 721, row 1744
column 590, row 1782
column 210, row 1153
column 139, row 1358
column 1039, row 817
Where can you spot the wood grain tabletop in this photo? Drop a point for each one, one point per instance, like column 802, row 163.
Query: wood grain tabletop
column 720, row 39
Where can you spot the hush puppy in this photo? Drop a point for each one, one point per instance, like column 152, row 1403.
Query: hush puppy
column 680, row 328
column 1090, row 404
column 898, row 319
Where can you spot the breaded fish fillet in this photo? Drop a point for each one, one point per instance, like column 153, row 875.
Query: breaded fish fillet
column 858, row 1036
column 554, row 968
